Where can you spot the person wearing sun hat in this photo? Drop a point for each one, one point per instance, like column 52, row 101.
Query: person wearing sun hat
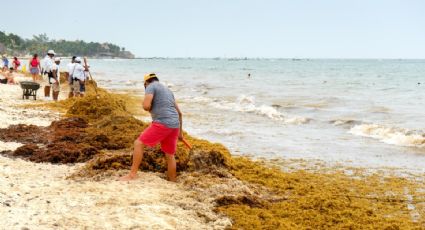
column 55, row 81
column 68, row 75
column 78, row 76
column 48, row 69
column 165, row 129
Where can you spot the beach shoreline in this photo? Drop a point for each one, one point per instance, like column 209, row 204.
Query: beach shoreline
column 41, row 195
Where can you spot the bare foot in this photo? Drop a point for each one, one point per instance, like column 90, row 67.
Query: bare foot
column 128, row 177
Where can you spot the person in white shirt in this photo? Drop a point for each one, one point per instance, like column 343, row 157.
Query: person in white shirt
column 56, row 79
column 86, row 77
column 69, row 70
column 78, row 76
column 48, row 69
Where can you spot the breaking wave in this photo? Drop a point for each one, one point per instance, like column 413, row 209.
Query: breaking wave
column 247, row 104
column 390, row 135
column 344, row 122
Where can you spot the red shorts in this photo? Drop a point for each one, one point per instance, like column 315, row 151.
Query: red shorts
column 159, row 133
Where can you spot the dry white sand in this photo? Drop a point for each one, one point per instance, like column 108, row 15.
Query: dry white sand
column 12, row 111
column 38, row 196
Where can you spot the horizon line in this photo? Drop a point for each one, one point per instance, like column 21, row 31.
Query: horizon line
column 287, row 58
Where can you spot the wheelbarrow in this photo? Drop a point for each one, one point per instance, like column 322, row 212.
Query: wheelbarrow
column 29, row 89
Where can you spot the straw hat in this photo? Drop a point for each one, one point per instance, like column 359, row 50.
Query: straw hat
column 149, row 76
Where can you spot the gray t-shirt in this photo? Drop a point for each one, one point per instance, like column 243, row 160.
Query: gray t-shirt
column 163, row 105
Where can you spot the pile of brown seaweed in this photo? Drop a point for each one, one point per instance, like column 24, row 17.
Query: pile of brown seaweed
column 64, row 141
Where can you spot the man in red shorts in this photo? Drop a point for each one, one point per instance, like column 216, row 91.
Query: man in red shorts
column 166, row 127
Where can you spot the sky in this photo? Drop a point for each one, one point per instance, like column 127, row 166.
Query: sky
column 231, row 28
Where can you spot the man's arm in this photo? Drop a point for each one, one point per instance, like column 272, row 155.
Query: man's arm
column 180, row 119
column 42, row 66
column 55, row 72
column 55, row 76
column 147, row 102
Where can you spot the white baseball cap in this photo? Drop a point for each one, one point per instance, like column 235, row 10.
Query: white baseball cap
column 77, row 59
column 57, row 59
column 51, row 52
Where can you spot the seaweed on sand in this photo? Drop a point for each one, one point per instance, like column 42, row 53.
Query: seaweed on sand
column 22, row 133
column 280, row 200
column 92, row 107
column 64, row 141
column 200, row 158
column 307, row 200
column 324, row 200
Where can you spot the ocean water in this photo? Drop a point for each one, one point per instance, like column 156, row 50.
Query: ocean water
column 356, row 112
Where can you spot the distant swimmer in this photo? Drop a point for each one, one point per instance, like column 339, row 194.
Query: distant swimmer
column 249, row 76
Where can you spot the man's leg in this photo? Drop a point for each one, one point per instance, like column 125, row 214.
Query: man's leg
column 76, row 88
column 169, row 147
column 47, row 91
column 137, row 160
column 171, row 167
column 82, row 88
column 71, row 86
column 71, row 91
column 55, row 95
column 55, row 89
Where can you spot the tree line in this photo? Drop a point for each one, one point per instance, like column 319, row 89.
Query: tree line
column 39, row 44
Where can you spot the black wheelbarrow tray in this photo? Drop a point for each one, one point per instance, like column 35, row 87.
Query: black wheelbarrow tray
column 29, row 89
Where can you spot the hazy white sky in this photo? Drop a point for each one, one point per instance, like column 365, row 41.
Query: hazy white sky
column 231, row 28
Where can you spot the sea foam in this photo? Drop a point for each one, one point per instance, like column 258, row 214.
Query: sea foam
column 247, row 104
column 390, row 135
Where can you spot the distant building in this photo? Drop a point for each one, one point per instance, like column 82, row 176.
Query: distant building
column 105, row 55
column 122, row 54
column 126, row 54
column 105, row 46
